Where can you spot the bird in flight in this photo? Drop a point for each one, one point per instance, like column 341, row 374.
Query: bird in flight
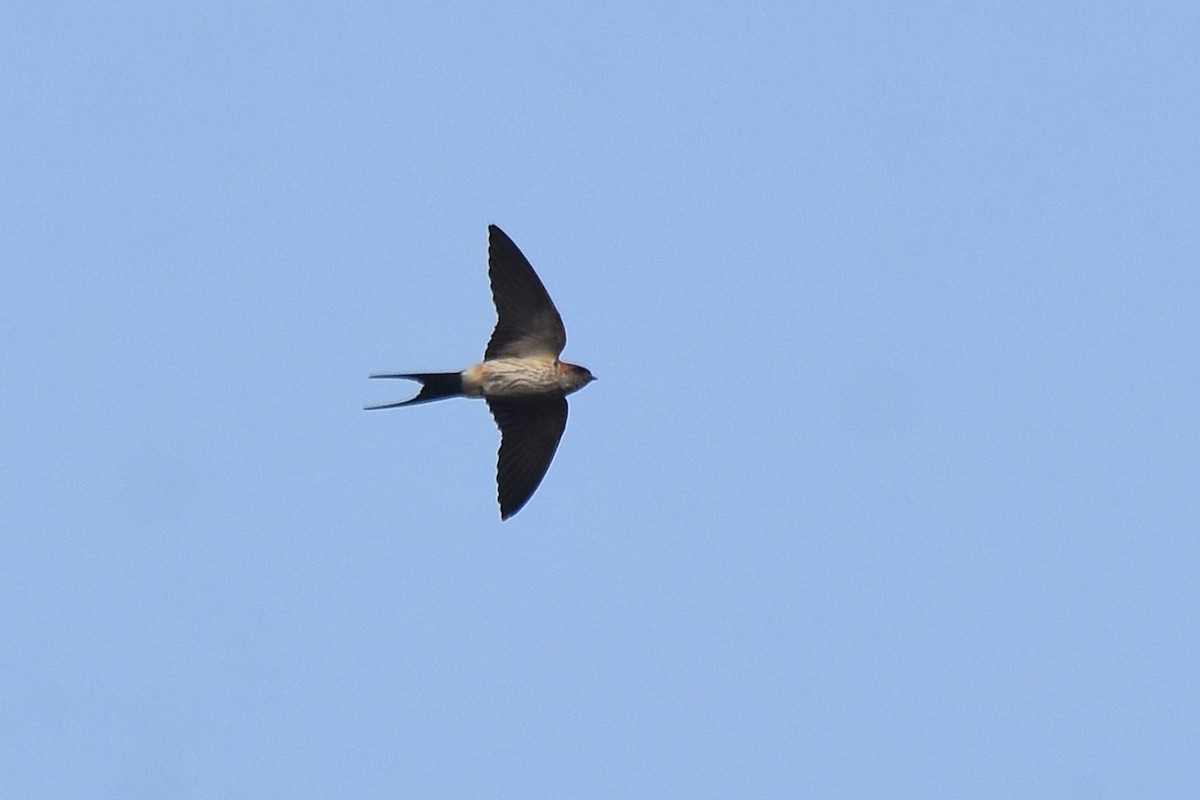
column 520, row 377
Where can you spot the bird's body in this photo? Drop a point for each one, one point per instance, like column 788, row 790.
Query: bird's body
column 521, row 377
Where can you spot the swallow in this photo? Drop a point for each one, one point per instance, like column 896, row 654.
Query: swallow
column 521, row 378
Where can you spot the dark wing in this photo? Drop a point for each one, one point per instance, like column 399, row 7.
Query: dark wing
column 529, row 432
column 526, row 321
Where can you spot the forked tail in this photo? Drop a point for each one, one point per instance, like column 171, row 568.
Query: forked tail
column 434, row 386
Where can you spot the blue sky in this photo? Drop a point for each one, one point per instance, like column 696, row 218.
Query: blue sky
column 888, row 488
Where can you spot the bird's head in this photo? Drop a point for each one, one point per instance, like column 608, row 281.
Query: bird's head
column 572, row 377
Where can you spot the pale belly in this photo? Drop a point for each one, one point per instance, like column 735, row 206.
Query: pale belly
column 512, row 377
